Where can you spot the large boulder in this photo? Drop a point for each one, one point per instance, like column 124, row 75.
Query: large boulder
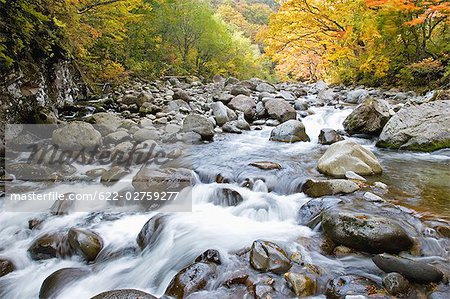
column 413, row 270
column 86, row 243
column 289, row 131
column 77, row 135
column 280, row 110
column 222, row 113
column 106, row 122
column 368, row 118
column 424, row 128
column 365, row 232
column 318, row 188
column 55, row 283
column 267, row 256
column 124, row 294
column 245, row 104
column 357, row 96
column 191, row 279
column 199, row 124
column 348, row 155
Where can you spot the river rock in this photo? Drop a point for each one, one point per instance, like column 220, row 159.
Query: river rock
column 191, row 279
column 267, row 256
column 368, row 118
column 301, row 105
column 209, row 256
column 309, row 214
column 6, row 266
column 329, row 136
column 265, row 87
column 365, row 232
column 231, row 127
column 77, row 135
column 86, row 243
column 56, row 282
column 151, row 231
column 396, row 284
column 240, row 90
column 226, row 197
column 117, row 137
column 280, row 110
column 49, row 246
column 349, row 285
column 124, row 294
column 318, row 188
column 244, row 104
column 348, row 155
column 146, row 134
column 179, row 94
column 222, row 113
column 266, row 165
column 106, row 122
column 113, row 175
column 199, row 124
column 413, row 270
column 302, row 285
column 289, row 131
column 357, row 96
column 162, row 180
column 423, row 128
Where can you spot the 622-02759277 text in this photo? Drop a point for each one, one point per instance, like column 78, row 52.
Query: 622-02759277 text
column 97, row 195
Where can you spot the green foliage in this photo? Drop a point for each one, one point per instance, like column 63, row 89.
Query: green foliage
column 111, row 40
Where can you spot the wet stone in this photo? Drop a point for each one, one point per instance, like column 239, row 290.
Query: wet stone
column 266, row 256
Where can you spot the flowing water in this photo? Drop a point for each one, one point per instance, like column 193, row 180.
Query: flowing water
column 417, row 181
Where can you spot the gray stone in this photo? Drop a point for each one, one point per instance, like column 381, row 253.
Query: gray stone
column 346, row 156
column 329, row 136
column 146, row 134
column 77, row 135
column 368, row 118
column 318, row 188
column 124, row 294
column 280, row 110
column 244, row 104
column 365, row 232
column 199, row 124
column 357, row 96
column 222, row 113
column 289, row 131
column 86, row 243
column 106, row 122
column 413, row 270
column 424, row 127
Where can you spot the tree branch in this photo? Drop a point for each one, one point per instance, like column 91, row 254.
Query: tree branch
column 96, row 4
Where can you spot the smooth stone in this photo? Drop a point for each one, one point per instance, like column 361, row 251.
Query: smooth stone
column 124, row 294
column 351, row 285
column 365, row 232
column 348, row 155
column 280, row 110
column 244, row 104
column 289, row 131
column 113, row 175
column 199, row 124
column 318, row 188
column 266, row 165
column 56, row 282
column 86, row 243
column 6, row 267
column 412, row 270
column 151, row 231
column 77, row 135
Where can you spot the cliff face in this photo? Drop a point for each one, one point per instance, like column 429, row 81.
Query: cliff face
column 32, row 88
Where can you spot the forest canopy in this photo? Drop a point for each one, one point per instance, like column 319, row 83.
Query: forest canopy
column 371, row 42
